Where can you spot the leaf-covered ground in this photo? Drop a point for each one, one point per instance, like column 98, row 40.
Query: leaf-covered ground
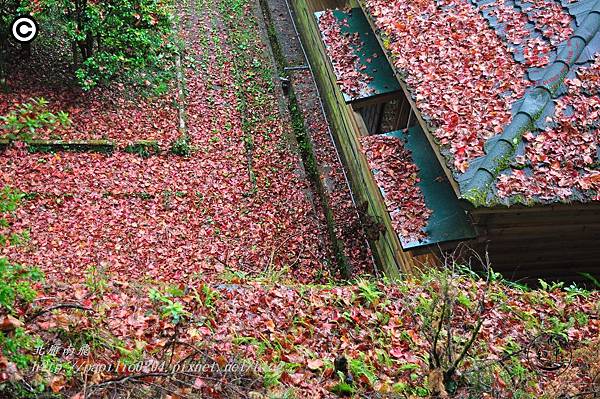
column 292, row 334
column 106, row 113
column 240, row 200
column 169, row 260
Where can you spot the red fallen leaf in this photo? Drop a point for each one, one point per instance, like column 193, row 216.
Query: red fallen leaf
column 398, row 352
column 9, row 323
column 8, row 370
column 314, row 364
column 451, row 121
column 270, row 325
column 221, row 360
column 57, row 383
column 292, row 379
column 293, row 357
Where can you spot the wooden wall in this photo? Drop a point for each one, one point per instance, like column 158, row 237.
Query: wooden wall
column 348, row 126
column 552, row 243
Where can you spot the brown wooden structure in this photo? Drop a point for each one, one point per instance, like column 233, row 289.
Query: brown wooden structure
column 553, row 242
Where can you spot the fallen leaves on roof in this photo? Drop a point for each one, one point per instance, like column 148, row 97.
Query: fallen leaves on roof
column 562, row 161
column 397, row 176
column 341, row 49
column 516, row 31
column 551, row 19
column 461, row 74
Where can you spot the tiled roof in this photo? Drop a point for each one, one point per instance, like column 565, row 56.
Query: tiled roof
column 489, row 79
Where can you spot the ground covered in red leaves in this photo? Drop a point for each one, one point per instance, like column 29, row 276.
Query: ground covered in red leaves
column 148, row 262
column 113, row 113
column 239, row 201
column 291, row 335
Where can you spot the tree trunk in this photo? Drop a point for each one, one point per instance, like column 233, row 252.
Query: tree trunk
column 89, row 44
column 75, row 54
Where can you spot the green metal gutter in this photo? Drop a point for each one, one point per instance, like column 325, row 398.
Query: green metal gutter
column 370, row 56
column 502, row 147
column 448, row 221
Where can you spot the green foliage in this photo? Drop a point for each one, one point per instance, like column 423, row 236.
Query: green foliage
column 550, row 286
column 181, row 146
column 16, row 284
column 143, row 148
column 167, row 306
column 574, row 291
column 16, row 290
column 9, row 200
column 368, row 292
column 15, row 280
column 210, row 296
column 8, row 10
column 132, row 38
column 15, row 344
column 271, row 377
column 343, row 389
column 359, row 368
column 22, row 123
column 96, row 279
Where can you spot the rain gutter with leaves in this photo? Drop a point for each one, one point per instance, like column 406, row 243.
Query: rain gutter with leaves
column 500, row 149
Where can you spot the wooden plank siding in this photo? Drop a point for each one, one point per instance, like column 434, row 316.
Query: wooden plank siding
column 552, row 243
column 348, row 126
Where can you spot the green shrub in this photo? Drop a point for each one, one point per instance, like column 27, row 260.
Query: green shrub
column 181, row 146
column 108, row 39
column 22, row 123
column 16, row 285
column 16, row 291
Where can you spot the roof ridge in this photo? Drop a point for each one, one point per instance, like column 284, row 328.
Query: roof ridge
column 530, row 110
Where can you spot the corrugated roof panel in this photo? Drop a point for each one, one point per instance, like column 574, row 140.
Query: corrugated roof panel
column 447, row 218
column 371, row 66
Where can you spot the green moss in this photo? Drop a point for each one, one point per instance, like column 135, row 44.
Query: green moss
column 477, row 196
column 44, row 146
column 143, row 148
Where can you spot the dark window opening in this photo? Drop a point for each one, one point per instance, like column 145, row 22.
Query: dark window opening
column 388, row 116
